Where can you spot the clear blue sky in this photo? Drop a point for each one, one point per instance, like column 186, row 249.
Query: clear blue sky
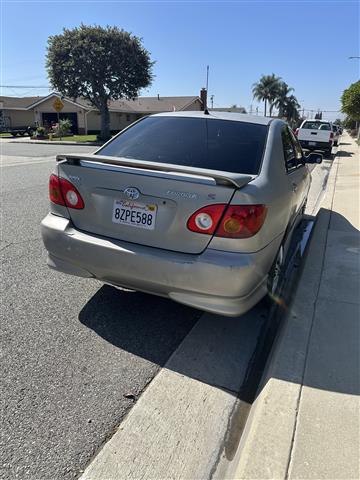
column 307, row 43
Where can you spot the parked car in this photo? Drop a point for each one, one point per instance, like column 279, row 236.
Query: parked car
column 316, row 135
column 194, row 207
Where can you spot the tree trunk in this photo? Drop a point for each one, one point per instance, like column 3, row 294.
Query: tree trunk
column 265, row 107
column 105, row 121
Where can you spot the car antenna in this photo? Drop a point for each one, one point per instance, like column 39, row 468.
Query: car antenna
column 206, row 111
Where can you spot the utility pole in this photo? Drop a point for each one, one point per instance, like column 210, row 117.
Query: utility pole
column 257, row 110
column 212, row 101
column 251, row 109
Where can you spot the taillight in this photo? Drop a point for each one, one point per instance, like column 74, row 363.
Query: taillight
column 297, row 132
column 55, row 190
column 241, row 221
column 206, row 219
column 62, row 192
column 234, row 221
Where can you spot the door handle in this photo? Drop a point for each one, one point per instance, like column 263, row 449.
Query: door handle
column 294, row 186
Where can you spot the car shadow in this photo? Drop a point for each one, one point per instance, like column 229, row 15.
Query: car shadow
column 144, row 325
column 343, row 153
column 228, row 353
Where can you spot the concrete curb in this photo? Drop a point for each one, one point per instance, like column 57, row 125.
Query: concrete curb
column 182, row 423
column 266, row 444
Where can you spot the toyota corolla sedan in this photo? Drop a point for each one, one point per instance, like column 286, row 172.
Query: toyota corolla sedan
column 195, row 207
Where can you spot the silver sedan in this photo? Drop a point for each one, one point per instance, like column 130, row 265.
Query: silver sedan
column 196, row 207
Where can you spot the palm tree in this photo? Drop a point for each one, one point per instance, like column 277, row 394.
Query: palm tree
column 266, row 90
column 282, row 98
column 291, row 109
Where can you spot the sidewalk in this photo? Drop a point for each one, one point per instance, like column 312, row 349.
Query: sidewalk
column 305, row 422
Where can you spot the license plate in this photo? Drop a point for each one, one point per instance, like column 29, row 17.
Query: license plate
column 134, row 214
column 312, row 144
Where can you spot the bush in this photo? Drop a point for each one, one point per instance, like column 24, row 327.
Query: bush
column 64, row 126
column 40, row 131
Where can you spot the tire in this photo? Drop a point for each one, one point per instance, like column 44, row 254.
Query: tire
column 276, row 273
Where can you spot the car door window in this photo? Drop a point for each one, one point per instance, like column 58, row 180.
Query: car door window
column 289, row 151
column 298, row 150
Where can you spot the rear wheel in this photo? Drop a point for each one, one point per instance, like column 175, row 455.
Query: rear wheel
column 276, row 273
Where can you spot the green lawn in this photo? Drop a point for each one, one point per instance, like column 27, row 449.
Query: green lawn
column 5, row 135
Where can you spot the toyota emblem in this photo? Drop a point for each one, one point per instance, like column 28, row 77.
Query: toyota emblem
column 132, row 193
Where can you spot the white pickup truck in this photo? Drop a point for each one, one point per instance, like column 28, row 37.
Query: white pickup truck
column 316, row 135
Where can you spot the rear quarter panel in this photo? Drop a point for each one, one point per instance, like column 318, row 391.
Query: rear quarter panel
column 271, row 188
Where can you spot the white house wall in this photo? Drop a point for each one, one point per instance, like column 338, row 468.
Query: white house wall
column 118, row 120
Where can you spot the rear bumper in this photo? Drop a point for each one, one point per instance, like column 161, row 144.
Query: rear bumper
column 317, row 146
column 221, row 282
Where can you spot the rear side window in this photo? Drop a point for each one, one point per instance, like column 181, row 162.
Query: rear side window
column 316, row 126
column 298, row 150
column 196, row 142
column 289, row 150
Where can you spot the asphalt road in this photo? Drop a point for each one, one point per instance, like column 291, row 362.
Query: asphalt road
column 73, row 351
column 71, row 348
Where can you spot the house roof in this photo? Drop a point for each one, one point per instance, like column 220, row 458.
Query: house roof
column 152, row 104
column 18, row 103
column 139, row 105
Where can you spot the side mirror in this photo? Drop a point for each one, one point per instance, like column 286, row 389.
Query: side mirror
column 314, row 157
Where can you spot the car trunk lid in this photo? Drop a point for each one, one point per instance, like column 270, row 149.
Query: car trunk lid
column 159, row 197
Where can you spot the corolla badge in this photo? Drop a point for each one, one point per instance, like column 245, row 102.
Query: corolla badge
column 132, row 193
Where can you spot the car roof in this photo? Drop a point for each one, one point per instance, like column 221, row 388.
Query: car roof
column 237, row 117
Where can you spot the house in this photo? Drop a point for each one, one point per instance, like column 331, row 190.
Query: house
column 29, row 111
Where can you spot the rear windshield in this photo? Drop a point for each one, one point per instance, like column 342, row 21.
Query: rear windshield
column 197, row 142
column 316, row 126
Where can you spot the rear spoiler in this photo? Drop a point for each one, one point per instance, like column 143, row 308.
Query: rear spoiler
column 235, row 179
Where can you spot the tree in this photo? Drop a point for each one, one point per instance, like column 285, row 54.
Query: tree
column 291, row 110
column 282, row 96
column 266, row 90
column 350, row 100
column 98, row 64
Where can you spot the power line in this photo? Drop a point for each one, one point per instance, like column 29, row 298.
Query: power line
column 25, row 86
